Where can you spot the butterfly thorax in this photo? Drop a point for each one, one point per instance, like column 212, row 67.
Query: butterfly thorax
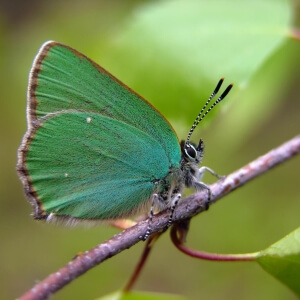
column 168, row 187
column 185, row 176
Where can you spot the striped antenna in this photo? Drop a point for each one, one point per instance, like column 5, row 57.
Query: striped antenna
column 201, row 115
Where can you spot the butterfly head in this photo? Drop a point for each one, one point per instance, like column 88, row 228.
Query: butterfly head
column 192, row 153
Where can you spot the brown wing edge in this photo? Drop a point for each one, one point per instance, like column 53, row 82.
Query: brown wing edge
column 32, row 126
column 38, row 211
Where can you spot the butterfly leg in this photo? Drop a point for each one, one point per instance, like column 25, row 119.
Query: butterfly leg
column 151, row 213
column 202, row 170
column 173, row 206
column 202, row 186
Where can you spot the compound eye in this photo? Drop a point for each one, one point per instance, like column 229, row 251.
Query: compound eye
column 190, row 151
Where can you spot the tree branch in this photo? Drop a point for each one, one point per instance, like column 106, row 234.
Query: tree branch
column 186, row 209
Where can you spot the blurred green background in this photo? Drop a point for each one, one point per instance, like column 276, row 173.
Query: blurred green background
column 172, row 53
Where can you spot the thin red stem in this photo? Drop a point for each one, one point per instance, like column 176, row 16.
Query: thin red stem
column 206, row 255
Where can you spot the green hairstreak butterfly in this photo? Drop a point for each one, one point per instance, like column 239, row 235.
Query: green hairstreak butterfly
column 96, row 150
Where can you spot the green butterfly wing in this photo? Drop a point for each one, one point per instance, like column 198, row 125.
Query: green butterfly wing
column 94, row 149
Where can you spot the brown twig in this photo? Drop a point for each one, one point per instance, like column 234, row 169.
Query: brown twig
column 186, row 209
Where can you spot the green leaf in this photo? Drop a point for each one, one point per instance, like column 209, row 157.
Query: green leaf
column 282, row 260
column 179, row 49
column 141, row 296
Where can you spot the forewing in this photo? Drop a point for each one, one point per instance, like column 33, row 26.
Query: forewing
column 63, row 79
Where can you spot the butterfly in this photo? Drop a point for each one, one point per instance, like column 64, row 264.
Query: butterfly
column 96, row 150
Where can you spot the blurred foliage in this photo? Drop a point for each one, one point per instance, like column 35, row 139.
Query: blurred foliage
column 248, row 43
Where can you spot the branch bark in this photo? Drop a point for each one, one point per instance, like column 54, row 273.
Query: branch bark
column 186, row 209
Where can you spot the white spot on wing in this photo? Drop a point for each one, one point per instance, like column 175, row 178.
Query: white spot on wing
column 50, row 216
column 88, row 120
column 66, row 175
